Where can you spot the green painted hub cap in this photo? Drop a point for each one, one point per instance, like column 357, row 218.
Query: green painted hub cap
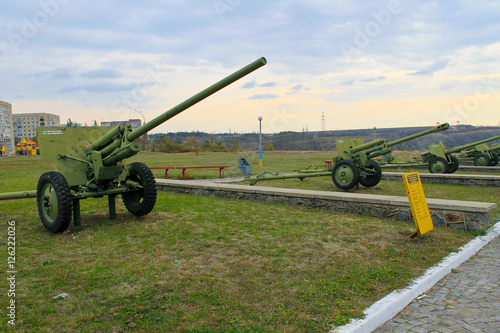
column 438, row 167
column 344, row 174
column 482, row 161
column 50, row 204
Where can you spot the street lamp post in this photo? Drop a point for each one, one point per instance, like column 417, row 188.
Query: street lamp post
column 260, row 141
column 145, row 134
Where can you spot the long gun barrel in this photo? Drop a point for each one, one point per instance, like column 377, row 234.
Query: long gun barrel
column 89, row 160
column 367, row 146
column 440, row 127
column 494, row 147
column 460, row 148
column 381, row 146
column 108, row 143
column 196, row 98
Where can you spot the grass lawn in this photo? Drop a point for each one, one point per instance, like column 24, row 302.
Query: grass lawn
column 201, row 264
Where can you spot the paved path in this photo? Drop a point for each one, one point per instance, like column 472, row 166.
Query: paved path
column 467, row 300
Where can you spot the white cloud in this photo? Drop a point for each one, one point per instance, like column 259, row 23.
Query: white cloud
column 94, row 53
column 100, row 74
column 263, row 96
column 431, row 69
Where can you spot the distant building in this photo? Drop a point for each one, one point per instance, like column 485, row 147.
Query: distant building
column 136, row 123
column 6, row 128
column 25, row 123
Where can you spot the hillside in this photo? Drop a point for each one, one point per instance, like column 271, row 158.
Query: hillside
column 325, row 140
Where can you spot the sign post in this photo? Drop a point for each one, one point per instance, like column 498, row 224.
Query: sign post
column 418, row 204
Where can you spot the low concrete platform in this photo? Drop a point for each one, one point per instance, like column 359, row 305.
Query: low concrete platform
column 449, row 178
column 457, row 214
column 467, row 168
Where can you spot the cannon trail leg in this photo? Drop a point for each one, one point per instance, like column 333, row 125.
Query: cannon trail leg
column 77, row 218
column 112, row 206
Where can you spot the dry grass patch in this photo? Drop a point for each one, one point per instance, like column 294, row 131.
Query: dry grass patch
column 199, row 264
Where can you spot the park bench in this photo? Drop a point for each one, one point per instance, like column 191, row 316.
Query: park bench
column 328, row 163
column 184, row 168
column 163, row 168
column 220, row 167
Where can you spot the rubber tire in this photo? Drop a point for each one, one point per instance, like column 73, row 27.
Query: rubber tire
column 438, row 160
column 372, row 180
column 142, row 201
column 455, row 164
column 482, row 157
column 339, row 169
column 54, row 184
column 494, row 160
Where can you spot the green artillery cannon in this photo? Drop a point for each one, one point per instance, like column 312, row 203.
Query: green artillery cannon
column 354, row 163
column 91, row 163
column 481, row 154
column 441, row 160
column 495, row 148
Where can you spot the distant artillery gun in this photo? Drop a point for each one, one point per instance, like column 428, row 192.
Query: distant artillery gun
column 442, row 160
column 354, row 163
column 481, row 154
column 91, row 163
column 355, row 160
column 495, row 148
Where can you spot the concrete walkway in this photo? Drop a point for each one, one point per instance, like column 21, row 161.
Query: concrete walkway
column 467, row 300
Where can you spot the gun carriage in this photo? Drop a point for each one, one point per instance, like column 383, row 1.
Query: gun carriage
column 91, row 162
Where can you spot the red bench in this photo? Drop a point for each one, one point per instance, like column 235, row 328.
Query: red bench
column 220, row 167
column 328, row 163
column 163, row 168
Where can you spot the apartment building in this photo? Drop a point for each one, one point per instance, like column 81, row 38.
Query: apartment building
column 26, row 123
column 6, row 129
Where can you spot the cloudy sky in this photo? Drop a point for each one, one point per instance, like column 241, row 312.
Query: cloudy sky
column 361, row 64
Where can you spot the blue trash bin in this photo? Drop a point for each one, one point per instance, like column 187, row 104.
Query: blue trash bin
column 244, row 163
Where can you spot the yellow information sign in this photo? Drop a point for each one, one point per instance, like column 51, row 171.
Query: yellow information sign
column 418, row 204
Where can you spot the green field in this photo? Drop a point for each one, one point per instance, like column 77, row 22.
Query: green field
column 202, row 264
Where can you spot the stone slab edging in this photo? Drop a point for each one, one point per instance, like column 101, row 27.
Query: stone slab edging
column 468, row 168
column 459, row 214
column 389, row 306
column 453, row 179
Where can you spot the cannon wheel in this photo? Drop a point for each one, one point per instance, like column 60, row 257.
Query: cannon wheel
column 345, row 174
column 482, row 160
column 438, row 165
column 372, row 180
column 54, row 201
column 141, row 201
column 494, row 160
column 453, row 166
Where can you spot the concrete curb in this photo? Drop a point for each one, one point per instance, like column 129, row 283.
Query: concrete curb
column 452, row 179
column 466, row 215
column 389, row 306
